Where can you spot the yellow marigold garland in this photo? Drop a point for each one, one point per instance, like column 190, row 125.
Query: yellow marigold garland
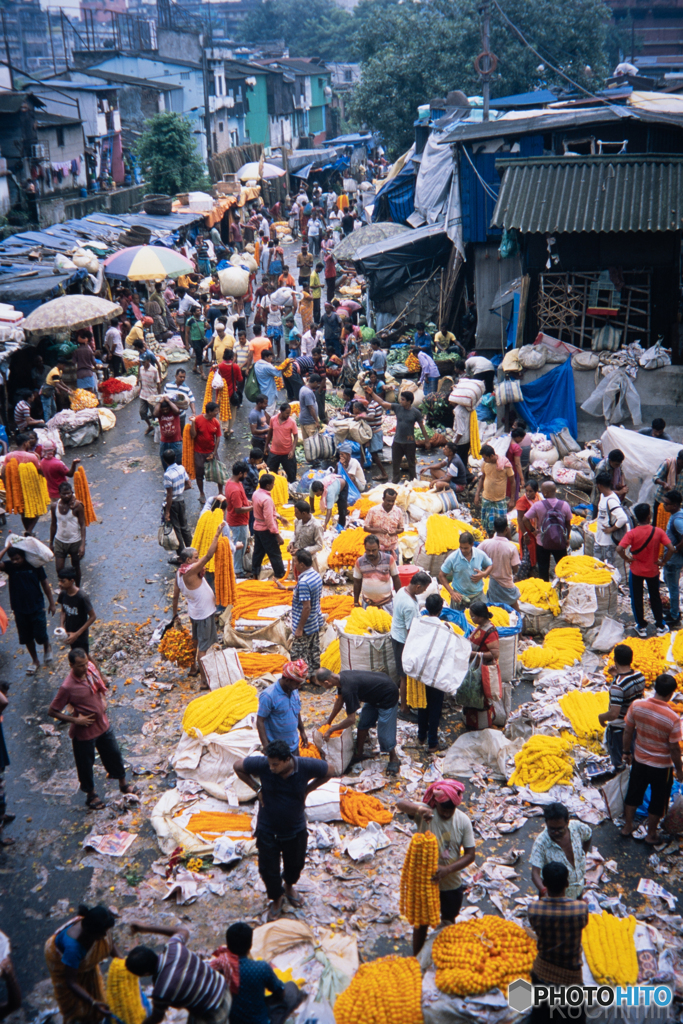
column 363, row 506
column 178, row 646
column 218, row 710
column 204, row 532
column 310, row 751
column 475, row 956
column 223, row 399
column 583, row 569
column 543, row 762
column 443, row 533
column 280, row 490
column 81, row 398
column 475, row 441
column 360, row 809
column 540, row 594
column 610, row 949
column 363, row 620
column 561, row 647
column 255, row 594
column 188, row 452
column 416, row 693
column 123, row 993
column 677, row 650
column 347, row 546
column 499, row 617
column 419, row 894
column 582, row 709
column 385, row 991
column 331, row 658
column 336, row 606
column 82, row 492
column 36, row 500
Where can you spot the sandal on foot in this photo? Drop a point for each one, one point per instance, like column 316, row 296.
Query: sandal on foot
column 95, row 804
column 129, row 790
column 295, row 901
column 7, row 842
column 48, row 658
column 393, row 768
column 274, row 913
column 32, row 669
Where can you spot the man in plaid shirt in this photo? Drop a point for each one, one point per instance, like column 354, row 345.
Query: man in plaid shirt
column 176, row 482
column 558, row 923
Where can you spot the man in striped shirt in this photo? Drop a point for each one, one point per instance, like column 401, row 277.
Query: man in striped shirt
column 627, row 686
column 307, row 618
column 181, row 395
column 375, row 417
column 181, row 979
column 656, row 755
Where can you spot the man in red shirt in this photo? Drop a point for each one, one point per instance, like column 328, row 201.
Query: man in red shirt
column 656, row 754
column 205, row 431
column 267, row 539
column 89, row 730
column 168, row 415
column 281, row 443
column 232, row 375
column 640, row 550
column 330, row 276
column 237, row 511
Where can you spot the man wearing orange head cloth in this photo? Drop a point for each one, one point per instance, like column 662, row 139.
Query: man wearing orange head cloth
column 455, row 836
column 279, row 709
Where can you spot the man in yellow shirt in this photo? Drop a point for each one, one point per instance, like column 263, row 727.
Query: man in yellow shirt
column 343, row 201
column 221, row 341
column 316, row 292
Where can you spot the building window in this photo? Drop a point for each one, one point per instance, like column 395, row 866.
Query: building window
column 234, row 139
column 60, row 136
column 348, row 75
column 215, row 142
column 220, row 127
column 185, row 75
column 321, row 83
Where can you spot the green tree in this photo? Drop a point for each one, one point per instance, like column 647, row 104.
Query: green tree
column 167, row 152
column 413, row 52
column 310, row 28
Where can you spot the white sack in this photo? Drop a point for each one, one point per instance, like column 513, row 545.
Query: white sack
column 643, row 457
column 615, row 399
column 337, row 750
column 323, row 803
column 35, row 552
column 434, row 655
column 488, row 747
column 580, row 604
column 208, row 760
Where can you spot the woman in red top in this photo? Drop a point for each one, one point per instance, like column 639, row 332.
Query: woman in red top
column 485, row 642
column 527, row 541
column 281, row 443
column 233, row 380
column 54, row 470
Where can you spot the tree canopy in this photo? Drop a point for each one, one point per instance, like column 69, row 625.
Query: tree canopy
column 310, row 28
column 168, row 155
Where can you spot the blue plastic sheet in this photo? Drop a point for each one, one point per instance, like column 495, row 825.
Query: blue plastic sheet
column 549, row 400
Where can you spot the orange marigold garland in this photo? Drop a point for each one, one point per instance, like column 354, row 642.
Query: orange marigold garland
column 82, row 491
column 310, row 751
column 360, row 809
column 14, row 501
column 336, row 606
column 224, row 582
column 254, row 664
column 188, row 452
column 178, row 646
column 223, row 398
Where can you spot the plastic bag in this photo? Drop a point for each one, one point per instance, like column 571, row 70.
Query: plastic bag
column 655, row 357
column 580, row 604
column 533, row 357
column 613, row 793
column 585, row 360
column 615, row 398
column 610, row 634
column 167, row 538
column 217, row 381
column 365, row 845
column 234, row 282
column 434, row 655
column 314, row 1012
column 35, row 552
column 489, row 747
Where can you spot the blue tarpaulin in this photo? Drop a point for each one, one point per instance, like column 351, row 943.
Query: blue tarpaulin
column 548, row 399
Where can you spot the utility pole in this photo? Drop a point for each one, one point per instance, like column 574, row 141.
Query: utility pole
column 7, row 53
column 52, row 43
column 486, row 63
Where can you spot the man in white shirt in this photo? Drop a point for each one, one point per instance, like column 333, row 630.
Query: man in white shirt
column 187, row 304
column 429, row 378
column 114, row 347
column 352, row 468
column 482, row 369
column 612, row 520
column 311, row 339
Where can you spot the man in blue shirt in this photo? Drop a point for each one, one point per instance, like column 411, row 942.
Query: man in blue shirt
column 463, row 571
column 249, row 979
column 422, row 340
column 266, row 375
column 673, row 562
column 307, row 618
column 279, row 709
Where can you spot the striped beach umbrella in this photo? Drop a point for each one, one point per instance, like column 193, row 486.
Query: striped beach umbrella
column 147, row 263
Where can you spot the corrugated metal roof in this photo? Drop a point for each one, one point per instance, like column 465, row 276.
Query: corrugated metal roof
column 606, row 194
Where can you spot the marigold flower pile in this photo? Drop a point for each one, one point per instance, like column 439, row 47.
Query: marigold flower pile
column 540, row 594
column 82, row 492
column 123, row 993
column 561, row 647
column 363, row 506
column 416, row 693
column 419, row 902
column 14, row 498
column 225, row 582
column 82, row 399
column 677, row 649
column 218, row 710
column 649, row 656
column 204, row 532
column 331, row 658
column 360, row 809
column 347, row 546
column 499, row 617
column 188, row 452
column 475, row 956
column 363, row 620
column 254, row 664
column 443, row 534
column 583, row 569
column 610, row 949
column 413, row 363
column 114, row 386
column 543, row 762
column 216, row 823
column 309, row 751
column 34, row 490
column 178, row 646
column 582, row 709
column 337, row 606
column 255, row 594
column 385, row 991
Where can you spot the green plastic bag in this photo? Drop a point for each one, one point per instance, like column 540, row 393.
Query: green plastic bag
column 251, row 386
column 470, row 693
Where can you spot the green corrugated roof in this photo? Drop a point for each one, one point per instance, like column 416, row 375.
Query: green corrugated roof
column 600, row 193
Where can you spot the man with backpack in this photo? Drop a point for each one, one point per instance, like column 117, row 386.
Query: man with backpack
column 549, row 521
column 640, row 550
column 613, row 522
column 673, row 563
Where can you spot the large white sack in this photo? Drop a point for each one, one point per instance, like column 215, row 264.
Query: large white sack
column 434, row 655
column 643, row 457
column 488, row 747
column 234, row 282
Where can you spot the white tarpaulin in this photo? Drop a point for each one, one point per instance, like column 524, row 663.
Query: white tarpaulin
column 432, row 185
column 643, row 457
column 208, row 760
